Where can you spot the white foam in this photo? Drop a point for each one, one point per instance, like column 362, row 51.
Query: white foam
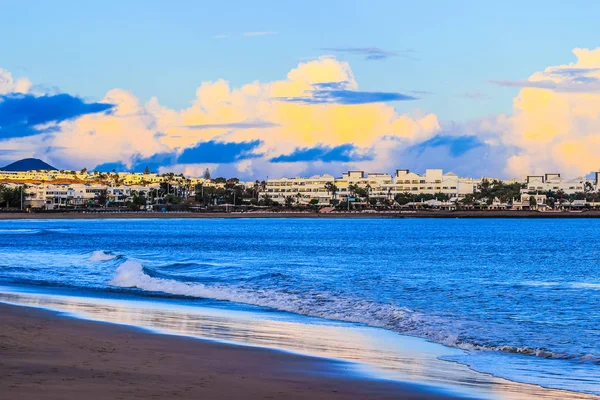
column 19, row 231
column 131, row 274
column 101, row 255
column 585, row 285
column 400, row 319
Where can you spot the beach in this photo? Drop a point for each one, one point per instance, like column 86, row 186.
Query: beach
column 356, row 307
column 47, row 356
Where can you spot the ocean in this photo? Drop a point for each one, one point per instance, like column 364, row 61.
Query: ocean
column 515, row 298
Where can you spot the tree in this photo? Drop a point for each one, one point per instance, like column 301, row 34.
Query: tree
column 102, row 197
column 352, row 189
column 83, row 171
column 10, row 196
column 137, row 201
column 331, row 189
column 232, row 182
column 468, row 200
column 314, row 202
column 289, row 200
column 532, row 202
column 146, row 170
column 442, row 196
column 588, row 187
column 403, row 198
column 363, row 193
column 206, row 175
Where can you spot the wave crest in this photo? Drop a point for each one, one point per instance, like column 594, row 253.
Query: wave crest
column 132, row 274
column 101, row 255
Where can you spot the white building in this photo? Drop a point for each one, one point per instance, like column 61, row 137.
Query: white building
column 380, row 186
column 51, row 197
column 375, row 183
column 301, row 190
column 555, row 183
column 432, row 182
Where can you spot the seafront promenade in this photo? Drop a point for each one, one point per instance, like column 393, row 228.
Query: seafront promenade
column 302, row 214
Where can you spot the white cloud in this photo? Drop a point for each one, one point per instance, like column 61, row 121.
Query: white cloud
column 548, row 129
column 10, row 85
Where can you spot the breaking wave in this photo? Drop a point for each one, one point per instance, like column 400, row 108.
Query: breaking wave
column 132, row 274
column 101, row 255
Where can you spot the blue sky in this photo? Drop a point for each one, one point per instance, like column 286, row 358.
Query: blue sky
column 166, row 50
column 411, row 83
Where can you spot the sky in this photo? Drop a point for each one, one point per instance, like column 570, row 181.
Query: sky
column 266, row 88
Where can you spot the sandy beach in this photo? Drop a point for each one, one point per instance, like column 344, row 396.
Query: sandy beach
column 48, row 356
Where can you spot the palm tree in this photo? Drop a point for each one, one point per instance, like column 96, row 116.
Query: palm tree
column 288, row 201
column 352, row 189
column 368, row 192
column 331, row 189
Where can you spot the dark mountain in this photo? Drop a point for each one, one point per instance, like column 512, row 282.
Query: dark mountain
column 28, row 164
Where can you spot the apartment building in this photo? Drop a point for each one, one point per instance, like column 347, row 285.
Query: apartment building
column 431, row 182
column 379, row 185
column 375, row 183
column 554, row 182
column 50, row 196
column 41, row 176
column 302, row 190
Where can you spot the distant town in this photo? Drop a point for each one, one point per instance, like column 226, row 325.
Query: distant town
column 50, row 189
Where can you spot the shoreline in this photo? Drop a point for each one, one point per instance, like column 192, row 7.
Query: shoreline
column 220, row 332
column 292, row 214
column 214, row 341
column 48, row 355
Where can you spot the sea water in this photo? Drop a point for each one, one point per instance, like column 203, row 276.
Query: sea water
column 519, row 297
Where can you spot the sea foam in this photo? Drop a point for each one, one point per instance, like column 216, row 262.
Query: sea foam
column 101, row 255
column 132, row 274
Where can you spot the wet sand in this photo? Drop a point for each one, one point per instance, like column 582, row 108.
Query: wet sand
column 44, row 355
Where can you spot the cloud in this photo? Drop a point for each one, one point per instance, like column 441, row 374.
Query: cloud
column 27, row 114
column 10, row 85
column 218, row 153
column 220, row 36
column 555, row 123
column 581, row 84
column 456, row 145
column 335, row 93
column 236, row 125
column 420, row 92
column 476, row 95
column 567, row 79
column 342, row 153
column 373, row 53
column 314, row 120
column 572, row 72
column 238, row 130
column 264, row 33
column 139, row 164
column 112, row 166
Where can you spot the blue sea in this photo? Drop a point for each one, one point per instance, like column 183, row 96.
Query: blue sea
column 518, row 299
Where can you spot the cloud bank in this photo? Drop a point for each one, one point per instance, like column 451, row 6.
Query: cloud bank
column 314, row 120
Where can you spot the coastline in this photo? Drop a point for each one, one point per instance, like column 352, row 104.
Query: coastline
column 117, row 343
column 51, row 356
column 292, row 214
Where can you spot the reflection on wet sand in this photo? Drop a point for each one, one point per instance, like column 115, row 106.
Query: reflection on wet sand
column 377, row 352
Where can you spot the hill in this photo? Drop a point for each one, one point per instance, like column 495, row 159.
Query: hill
column 28, row 164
